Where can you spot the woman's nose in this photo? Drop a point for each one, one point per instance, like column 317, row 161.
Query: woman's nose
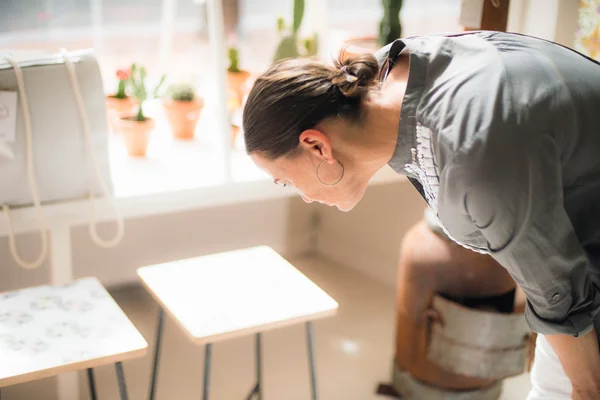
column 306, row 199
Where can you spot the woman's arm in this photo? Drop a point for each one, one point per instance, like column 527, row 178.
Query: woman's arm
column 580, row 358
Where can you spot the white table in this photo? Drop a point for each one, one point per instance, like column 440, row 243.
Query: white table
column 51, row 330
column 227, row 295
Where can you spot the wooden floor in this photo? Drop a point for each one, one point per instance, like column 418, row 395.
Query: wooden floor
column 353, row 351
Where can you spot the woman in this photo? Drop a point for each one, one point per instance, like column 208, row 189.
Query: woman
column 499, row 132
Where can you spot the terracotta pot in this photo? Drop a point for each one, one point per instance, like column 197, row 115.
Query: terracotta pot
column 236, row 81
column 433, row 264
column 183, row 116
column 235, row 131
column 233, row 102
column 136, row 134
column 360, row 45
column 117, row 108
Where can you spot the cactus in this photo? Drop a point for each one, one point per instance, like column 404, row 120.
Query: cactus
column 311, row 45
column 298, row 16
column 123, row 77
column 280, row 25
column 137, row 80
column 390, row 28
column 289, row 46
column 181, row 92
column 234, row 58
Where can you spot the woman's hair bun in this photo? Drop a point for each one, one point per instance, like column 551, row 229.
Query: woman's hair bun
column 355, row 74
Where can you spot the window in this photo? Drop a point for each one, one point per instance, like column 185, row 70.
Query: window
column 172, row 37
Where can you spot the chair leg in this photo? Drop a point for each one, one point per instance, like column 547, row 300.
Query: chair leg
column 159, row 330
column 92, row 382
column 207, row 362
column 311, row 360
column 121, row 379
column 258, row 367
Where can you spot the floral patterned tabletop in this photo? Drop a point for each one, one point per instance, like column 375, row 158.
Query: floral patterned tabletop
column 49, row 330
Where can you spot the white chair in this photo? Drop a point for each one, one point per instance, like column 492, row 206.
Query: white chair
column 233, row 294
column 46, row 331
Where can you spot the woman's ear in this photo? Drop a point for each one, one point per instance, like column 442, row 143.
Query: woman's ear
column 317, row 144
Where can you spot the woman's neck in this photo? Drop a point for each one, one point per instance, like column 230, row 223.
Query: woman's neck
column 382, row 116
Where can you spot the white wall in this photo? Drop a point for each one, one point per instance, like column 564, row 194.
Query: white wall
column 554, row 20
column 283, row 224
column 367, row 239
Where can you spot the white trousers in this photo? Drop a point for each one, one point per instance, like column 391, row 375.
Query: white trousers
column 548, row 379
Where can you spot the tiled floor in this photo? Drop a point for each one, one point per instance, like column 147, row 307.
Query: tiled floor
column 353, row 350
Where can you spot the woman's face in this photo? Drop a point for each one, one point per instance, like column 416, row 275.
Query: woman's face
column 300, row 171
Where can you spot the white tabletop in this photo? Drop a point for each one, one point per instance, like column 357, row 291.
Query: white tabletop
column 45, row 331
column 226, row 295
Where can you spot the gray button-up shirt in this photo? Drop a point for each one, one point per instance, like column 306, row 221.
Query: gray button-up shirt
column 501, row 135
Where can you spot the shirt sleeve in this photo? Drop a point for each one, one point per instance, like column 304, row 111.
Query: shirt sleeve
column 508, row 187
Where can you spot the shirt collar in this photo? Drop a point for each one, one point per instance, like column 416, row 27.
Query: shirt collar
column 412, row 96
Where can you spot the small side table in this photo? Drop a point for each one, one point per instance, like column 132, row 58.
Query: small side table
column 227, row 295
column 49, row 330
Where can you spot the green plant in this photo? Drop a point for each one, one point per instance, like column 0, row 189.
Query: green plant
column 234, row 60
column 390, row 28
column 137, row 80
column 290, row 45
column 181, row 92
column 311, row 44
column 123, row 77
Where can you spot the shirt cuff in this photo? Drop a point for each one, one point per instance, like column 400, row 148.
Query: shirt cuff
column 574, row 325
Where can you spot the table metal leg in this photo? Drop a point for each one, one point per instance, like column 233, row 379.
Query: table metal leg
column 92, row 382
column 207, row 362
column 311, row 360
column 257, row 388
column 252, row 392
column 159, row 329
column 121, row 379
column 258, row 367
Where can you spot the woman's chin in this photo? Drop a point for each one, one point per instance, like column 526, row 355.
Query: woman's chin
column 345, row 207
column 351, row 203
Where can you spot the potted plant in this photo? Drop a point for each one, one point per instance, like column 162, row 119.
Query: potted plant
column 291, row 45
column 119, row 103
column 235, row 119
column 136, row 128
column 390, row 29
column 182, row 107
column 235, row 76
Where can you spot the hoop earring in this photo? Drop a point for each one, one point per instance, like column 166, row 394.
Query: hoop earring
column 330, row 184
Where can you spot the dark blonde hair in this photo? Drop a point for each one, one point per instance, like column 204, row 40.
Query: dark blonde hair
column 296, row 94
